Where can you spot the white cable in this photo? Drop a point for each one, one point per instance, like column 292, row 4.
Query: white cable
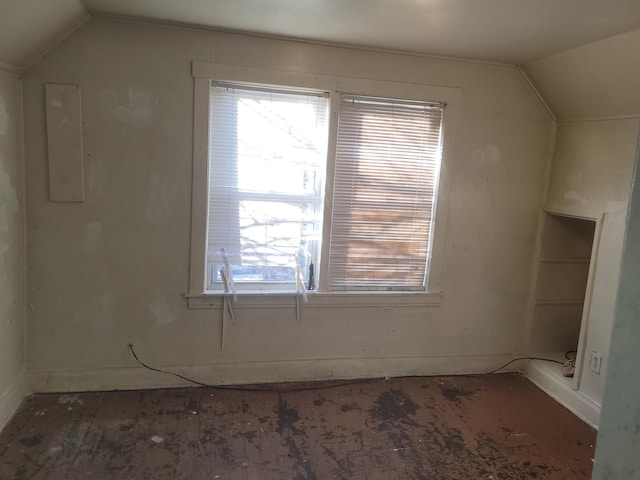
column 229, row 286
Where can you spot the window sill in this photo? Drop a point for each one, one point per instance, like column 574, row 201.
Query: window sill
column 319, row 300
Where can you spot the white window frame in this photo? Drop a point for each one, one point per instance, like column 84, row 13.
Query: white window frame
column 204, row 73
column 315, row 200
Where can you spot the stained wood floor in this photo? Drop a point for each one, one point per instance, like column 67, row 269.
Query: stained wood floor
column 435, row 428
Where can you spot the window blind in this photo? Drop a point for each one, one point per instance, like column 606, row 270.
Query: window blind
column 267, row 161
column 386, row 175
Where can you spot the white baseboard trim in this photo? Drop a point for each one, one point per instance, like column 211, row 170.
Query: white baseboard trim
column 134, row 378
column 11, row 399
column 558, row 388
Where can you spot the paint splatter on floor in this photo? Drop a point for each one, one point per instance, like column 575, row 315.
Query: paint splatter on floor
column 497, row 427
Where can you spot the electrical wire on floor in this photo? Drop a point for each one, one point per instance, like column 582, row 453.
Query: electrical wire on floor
column 321, row 386
column 254, row 388
column 524, row 358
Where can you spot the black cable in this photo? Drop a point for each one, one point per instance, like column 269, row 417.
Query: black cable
column 249, row 387
column 299, row 389
column 133, row 352
column 524, row 358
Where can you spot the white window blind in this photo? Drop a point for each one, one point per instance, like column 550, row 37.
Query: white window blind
column 386, row 175
column 267, row 162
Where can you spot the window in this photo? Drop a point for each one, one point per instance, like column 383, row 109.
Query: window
column 300, row 185
column 387, row 162
column 267, row 163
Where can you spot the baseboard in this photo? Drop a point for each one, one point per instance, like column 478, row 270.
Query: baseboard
column 556, row 386
column 11, row 399
column 134, row 378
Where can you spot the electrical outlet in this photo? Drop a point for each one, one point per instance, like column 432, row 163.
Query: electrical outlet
column 595, row 362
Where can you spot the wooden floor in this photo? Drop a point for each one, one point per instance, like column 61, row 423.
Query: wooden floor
column 435, row 428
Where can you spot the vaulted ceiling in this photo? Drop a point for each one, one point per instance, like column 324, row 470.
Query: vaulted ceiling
column 511, row 31
column 547, row 37
column 28, row 26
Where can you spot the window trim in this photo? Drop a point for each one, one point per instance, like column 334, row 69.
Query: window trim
column 204, row 73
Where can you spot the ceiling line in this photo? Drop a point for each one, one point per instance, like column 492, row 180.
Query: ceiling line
column 54, row 42
column 269, row 36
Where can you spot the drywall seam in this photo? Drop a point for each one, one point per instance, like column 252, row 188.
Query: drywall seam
column 237, row 373
column 248, row 33
column 535, row 91
column 528, row 323
column 11, row 399
column 22, row 182
column 75, row 25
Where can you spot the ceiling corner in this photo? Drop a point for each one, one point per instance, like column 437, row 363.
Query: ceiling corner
column 30, row 28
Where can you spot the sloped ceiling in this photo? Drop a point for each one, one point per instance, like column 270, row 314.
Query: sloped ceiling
column 512, row 31
column 28, row 26
column 581, row 54
column 597, row 80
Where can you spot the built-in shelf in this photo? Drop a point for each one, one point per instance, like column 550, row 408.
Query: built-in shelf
column 561, row 281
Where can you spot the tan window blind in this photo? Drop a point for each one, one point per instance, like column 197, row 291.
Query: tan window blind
column 386, row 176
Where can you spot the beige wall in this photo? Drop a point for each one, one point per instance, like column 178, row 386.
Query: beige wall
column 593, row 165
column 114, row 269
column 11, row 249
column 591, row 176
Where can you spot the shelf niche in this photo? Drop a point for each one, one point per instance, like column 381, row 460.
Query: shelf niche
column 563, row 273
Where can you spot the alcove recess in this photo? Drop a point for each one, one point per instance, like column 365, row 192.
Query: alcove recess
column 563, row 272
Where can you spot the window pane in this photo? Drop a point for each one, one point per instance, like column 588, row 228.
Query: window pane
column 387, row 165
column 267, row 163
